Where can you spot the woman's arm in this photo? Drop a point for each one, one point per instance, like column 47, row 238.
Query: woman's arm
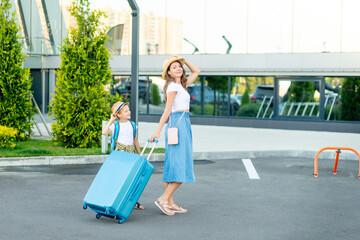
column 165, row 115
column 106, row 129
column 136, row 144
column 194, row 73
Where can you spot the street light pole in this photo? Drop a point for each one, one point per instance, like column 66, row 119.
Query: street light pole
column 195, row 48
column 135, row 13
column 229, row 44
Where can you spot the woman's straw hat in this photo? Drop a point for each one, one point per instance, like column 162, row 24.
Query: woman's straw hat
column 118, row 106
column 169, row 61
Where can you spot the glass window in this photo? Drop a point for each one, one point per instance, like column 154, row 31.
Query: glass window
column 156, row 95
column 257, row 96
column 122, row 87
column 212, row 99
column 332, row 111
column 299, row 98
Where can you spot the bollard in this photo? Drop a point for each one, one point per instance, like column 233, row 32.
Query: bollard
column 336, row 160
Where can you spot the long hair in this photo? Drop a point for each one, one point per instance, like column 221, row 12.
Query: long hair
column 169, row 79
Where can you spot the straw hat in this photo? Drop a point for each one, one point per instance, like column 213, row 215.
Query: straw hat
column 169, row 61
column 118, row 106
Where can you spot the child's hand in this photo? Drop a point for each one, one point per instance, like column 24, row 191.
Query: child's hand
column 112, row 117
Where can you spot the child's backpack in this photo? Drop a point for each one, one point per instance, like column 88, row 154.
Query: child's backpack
column 116, row 134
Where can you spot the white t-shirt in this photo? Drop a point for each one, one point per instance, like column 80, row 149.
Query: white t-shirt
column 182, row 98
column 126, row 133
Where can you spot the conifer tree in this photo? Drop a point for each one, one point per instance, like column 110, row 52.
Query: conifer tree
column 81, row 101
column 245, row 98
column 350, row 99
column 16, row 109
column 155, row 96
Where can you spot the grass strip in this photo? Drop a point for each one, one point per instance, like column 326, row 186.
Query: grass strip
column 39, row 147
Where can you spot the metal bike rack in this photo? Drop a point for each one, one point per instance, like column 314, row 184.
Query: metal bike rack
column 41, row 117
column 336, row 160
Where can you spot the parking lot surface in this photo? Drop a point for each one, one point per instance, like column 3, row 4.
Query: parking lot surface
column 284, row 202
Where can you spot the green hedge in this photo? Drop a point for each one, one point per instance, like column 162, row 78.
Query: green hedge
column 7, row 137
column 208, row 109
column 248, row 110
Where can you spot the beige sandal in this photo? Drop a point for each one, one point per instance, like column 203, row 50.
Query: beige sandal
column 182, row 210
column 162, row 205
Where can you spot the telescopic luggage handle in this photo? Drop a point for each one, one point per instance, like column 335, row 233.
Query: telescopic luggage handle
column 152, row 149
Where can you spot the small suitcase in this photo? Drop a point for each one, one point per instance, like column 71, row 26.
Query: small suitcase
column 118, row 184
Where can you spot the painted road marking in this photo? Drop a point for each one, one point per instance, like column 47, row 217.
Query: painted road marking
column 250, row 169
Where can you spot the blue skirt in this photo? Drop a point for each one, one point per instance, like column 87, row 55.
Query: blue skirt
column 179, row 163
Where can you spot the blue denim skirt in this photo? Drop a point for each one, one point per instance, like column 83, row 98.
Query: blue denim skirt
column 179, row 163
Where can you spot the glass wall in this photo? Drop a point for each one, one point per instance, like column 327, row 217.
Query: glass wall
column 257, row 97
column 243, row 26
column 203, row 26
column 42, row 26
column 219, row 27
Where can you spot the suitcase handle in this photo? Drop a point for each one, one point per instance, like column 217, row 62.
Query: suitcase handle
column 152, row 149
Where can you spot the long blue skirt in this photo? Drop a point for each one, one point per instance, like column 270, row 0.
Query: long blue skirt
column 179, row 163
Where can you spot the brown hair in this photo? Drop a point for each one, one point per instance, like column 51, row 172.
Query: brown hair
column 169, row 79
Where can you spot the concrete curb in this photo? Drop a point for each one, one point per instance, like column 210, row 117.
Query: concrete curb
column 98, row 159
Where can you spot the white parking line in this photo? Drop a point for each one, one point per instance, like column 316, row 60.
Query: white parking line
column 250, row 169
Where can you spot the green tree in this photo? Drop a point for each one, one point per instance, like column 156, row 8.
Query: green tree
column 219, row 84
column 155, row 96
column 81, row 101
column 350, row 99
column 301, row 92
column 245, row 99
column 16, row 109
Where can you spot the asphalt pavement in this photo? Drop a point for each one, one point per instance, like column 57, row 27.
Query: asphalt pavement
column 284, row 202
column 276, row 198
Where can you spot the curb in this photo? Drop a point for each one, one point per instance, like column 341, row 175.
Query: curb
column 156, row 157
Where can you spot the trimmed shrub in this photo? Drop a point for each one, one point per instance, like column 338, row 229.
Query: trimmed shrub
column 81, row 101
column 8, row 137
column 245, row 99
column 248, row 110
column 208, row 110
column 16, row 109
column 155, row 96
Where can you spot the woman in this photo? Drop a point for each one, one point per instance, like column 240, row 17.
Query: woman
column 178, row 165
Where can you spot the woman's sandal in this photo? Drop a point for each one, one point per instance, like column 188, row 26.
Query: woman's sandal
column 138, row 206
column 181, row 210
column 162, row 205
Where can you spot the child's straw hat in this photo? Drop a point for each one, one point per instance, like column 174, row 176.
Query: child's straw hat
column 118, row 106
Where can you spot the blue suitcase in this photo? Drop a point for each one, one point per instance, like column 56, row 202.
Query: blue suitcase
column 118, row 184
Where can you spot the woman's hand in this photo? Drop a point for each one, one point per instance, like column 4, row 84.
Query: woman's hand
column 155, row 135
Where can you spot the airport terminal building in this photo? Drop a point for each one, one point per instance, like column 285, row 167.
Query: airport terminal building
column 288, row 89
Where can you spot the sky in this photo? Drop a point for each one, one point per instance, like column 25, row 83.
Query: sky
column 260, row 26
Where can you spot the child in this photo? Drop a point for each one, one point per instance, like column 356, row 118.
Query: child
column 125, row 130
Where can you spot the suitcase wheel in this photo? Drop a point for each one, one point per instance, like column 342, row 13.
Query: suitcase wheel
column 121, row 220
column 98, row 215
column 84, row 206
